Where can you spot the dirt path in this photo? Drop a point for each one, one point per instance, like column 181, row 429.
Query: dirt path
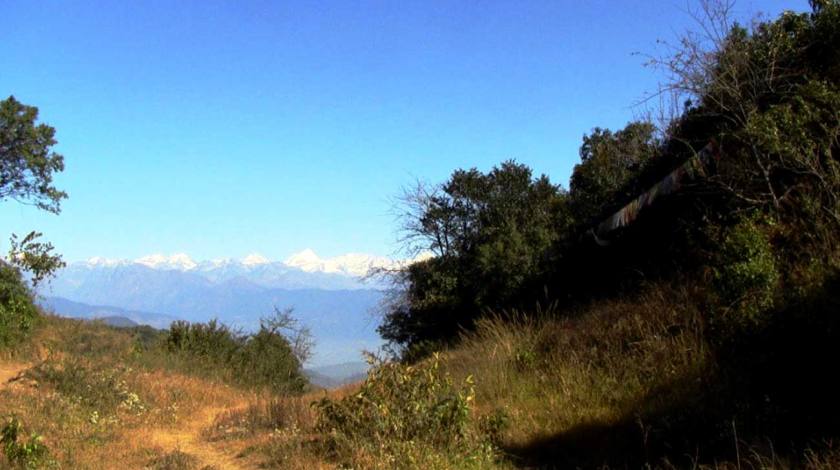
column 187, row 438
column 10, row 371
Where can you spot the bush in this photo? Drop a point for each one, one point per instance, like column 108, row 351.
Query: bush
column 212, row 342
column 18, row 313
column 29, row 454
column 265, row 359
column 746, row 277
column 405, row 416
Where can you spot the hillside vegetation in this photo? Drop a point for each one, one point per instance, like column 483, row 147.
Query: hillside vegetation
column 701, row 332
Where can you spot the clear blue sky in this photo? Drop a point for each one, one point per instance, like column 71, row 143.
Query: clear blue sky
column 224, row 128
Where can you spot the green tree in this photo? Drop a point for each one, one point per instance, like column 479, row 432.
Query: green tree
column 608, row 162
column 490, row 234
column 27, row 167
column 27, row 162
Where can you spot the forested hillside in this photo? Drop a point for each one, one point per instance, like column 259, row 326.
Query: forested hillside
column 758, row 220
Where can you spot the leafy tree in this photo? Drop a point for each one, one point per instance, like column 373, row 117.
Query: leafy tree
column 27, row 167
column 768, row 95
column 34, row 256
column 490, row 234
column 18, row 314
column 608, row 162
column 272, row 357
column 27, row 163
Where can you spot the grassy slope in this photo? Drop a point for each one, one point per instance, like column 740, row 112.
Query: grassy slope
column 621, row 383
column 99, row 401
column 639, row 382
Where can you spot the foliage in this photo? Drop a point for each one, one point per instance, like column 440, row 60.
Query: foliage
column 271, row 357
column 404, row 415
column 489, row 232
column 32, row 453
column 18, row 313
column 767, row 95
column 608, row 161
column 268, row 359
column 746, row 277
column 27, row 163
column 34, row 256
column 282, row 323
column 27, row 167
column 211, row 341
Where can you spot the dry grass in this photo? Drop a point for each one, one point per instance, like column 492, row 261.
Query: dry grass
column 88, row 421
column 621, row 383
column 551, row 380
column 73, row 379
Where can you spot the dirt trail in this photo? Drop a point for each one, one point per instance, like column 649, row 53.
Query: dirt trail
column 9, row 371
column 187, row 438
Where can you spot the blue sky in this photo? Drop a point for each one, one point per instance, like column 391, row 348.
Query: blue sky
column 223, row 128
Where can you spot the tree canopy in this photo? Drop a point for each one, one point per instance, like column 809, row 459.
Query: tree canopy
column 762, row 227
column 27, row 167
column 488, row 232
column 27, row 162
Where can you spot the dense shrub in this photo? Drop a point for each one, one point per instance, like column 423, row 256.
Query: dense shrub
column 211, row 342
column 746, row 277
column 266, row 358
column 31, row 453
column 18, row 313
column 405, row 416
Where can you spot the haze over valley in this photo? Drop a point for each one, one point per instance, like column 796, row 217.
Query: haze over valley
column 334, row 297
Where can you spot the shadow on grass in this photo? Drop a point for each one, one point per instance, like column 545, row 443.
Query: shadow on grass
column 770, row 386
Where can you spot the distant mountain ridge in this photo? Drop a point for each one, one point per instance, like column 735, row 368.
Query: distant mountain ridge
column 68, row 308
column 336, row 375
column 326, row 295
column 332, row 296
column 302, row 270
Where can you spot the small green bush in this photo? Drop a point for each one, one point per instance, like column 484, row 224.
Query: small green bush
column 27, row 454
column 267, row 359
column 746, row 277
column 495, row 424
column 18, row 313
column 407, row 416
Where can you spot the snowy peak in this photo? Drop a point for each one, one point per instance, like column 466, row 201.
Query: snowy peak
column 357, row 264
column 99, row 261
column 306, row 260
column 350, row 267
column 255, row 259
column 178, row 261
column 351, row 264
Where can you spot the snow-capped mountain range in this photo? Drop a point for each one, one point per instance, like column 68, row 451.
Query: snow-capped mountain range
column 301, row 270
column 333, row 296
